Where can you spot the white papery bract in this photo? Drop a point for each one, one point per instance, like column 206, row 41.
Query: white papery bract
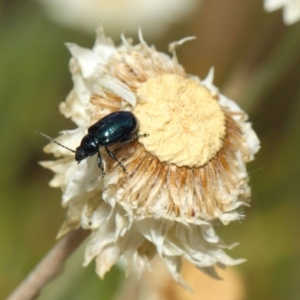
column 291, row 9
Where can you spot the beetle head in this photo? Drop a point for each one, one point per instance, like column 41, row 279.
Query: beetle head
column 89, row 146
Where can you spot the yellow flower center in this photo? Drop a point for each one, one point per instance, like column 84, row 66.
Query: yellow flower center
column 185, row 123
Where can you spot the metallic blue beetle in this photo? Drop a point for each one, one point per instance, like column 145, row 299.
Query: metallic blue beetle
column 117, row 127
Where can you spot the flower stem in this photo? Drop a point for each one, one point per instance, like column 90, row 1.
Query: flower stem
column 49, row 267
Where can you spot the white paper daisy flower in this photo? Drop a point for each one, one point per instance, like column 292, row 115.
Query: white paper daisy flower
column 188, row 173
column 291, row 9
column 153, row 16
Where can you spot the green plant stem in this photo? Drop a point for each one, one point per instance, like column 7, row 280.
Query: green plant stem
column 49, row 267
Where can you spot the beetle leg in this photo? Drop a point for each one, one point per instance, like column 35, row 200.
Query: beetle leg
column 114, row 157
column 134, row 137
column 100, row 165
column 143, row 134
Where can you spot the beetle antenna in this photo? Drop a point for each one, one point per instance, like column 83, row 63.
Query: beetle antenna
column 52, row 140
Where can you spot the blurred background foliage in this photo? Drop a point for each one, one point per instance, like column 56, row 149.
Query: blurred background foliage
column 257, row 63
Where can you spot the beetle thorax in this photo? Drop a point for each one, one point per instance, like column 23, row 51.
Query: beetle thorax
column 89, row 146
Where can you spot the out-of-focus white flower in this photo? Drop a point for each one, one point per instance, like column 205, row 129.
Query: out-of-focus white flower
column 188, row 173
column 291, row 9
column 154, row 16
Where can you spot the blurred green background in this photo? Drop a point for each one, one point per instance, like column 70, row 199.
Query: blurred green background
column 257, row 63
